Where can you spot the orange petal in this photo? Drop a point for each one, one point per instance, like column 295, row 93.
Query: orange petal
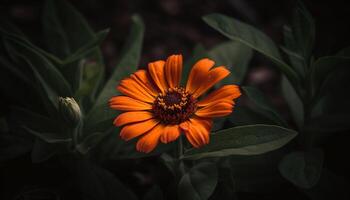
column 150, row 140
column 171, row 133
column 197, row 131
column 227, row 92
column 198, row 74
column 131, row 131
column 156, row 70
column 215, row 75
column 132, row 117
column 133, row 89
column 143, row 78
column 173, row 70
column 216, row 110
column 128, row 104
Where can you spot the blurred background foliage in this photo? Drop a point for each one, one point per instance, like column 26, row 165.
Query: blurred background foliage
column 288, row 57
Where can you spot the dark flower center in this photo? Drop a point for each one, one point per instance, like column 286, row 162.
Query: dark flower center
column 175, row 106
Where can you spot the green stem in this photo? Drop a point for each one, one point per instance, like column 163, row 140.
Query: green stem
column 180, row 148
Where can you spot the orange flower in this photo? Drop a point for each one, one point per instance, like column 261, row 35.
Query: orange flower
column 157, row 108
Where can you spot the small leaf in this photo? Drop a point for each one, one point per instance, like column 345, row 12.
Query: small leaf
column 243, row 140
column 255, row 39
column 128, row 64
column 303, row 169
column 199, row 183
column 294, row 102
column 235, row 57
column 263, row 105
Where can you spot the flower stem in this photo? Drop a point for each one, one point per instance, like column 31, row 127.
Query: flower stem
column 180, row 148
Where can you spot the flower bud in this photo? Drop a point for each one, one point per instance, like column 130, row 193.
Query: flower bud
column 70, row 111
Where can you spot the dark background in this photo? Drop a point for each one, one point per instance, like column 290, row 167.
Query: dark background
column 171, row 27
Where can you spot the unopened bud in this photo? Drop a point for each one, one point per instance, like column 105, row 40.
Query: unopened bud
column 70, row 110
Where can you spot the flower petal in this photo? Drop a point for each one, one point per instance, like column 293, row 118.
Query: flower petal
column 173, row 70
column 132, row 117
column 216, row 110
column 226, row 92
column 143, row 78
column 197, row 131
column 171, row 133
column 215, row 75
column 131, row 131
column 133, row 89
column 156, row 70
column 198, row 73
column 150, row 140
column 128, row 104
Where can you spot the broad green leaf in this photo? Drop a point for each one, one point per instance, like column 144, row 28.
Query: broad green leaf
column 322, row 68
column 90, row 142
column 243, row 140
column 291, row 49
column 198, row 53
column 42, row 150
column 294, row 102
column 50, row 137
column 303, row 28
column 303, row 169
column 69, row 37
column 255, row 39
column 199, row 182
column 96, row 183
column 65, row 29
column 127, row 65
column 43, row 66
column 235, row 57
column 263, row 105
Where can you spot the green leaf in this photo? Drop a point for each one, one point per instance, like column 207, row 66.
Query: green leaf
column 199, row 182
column 90, row 142
column 322, row 68
column 42, row 150
column 65, row 29
column 50, row 137
column 263, row 105
column 51, row 79
column 128, row 64
column 69, row 37
column 303, row 169
column 292, row 51
column 198, row 53
column 255, row 39
column 294, row 102
column 96, row 183
column 243, row 140
column 303, row 28
column 235, row 56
